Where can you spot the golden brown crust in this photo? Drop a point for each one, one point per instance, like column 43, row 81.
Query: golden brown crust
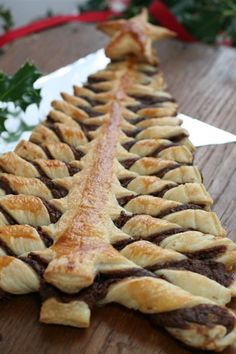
column 133, row 36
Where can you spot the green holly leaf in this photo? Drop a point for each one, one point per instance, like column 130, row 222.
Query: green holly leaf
column 19, row 87
column 3, row 117
column 6, row 16
column 180, row 7
column 204, row 26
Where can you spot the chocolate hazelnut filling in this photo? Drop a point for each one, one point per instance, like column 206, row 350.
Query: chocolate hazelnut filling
column 160, row 193
column 56, row 131
column 154, row 153
column 90, row 111
column 129, row 144
column 47, row 152
column 86, row 128
column 125, row 181
column 211, row 269
column 56, row 190
column 148, row 100
column 156, row 238
column 94, row 80
column 117, row 60
column 178, row 137
column 178, row 208
column 10, row 219
column 122, row 219
column 207, row 253
column 94, row 89
column 50, row 119
column 128, row 163
column 132, row 133
column 53, row 212
column 119, row 245
column 124, row 200
column 44, row 237
column 78, row 154
column 98, row 290
column 91, row 101
column 136, row 120
column 138, row 107
column 5, row 185
column 39, row 169
column 37, row 263
column 160, row 148
column 161, row 173
column 72, row 169
column 206, row 315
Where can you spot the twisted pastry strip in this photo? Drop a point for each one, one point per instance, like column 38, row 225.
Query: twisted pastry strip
column 16, row 240
column 194, row 244
column 10, row 162
column 203, row 278
column 41, row 187
column 195, row 320
column 23, row 209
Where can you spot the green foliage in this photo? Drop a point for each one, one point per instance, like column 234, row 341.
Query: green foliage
column 19, row 87
column 6, row 16
column 135, row 7
column 204, row 19
column 93, row 5
column 19, row 90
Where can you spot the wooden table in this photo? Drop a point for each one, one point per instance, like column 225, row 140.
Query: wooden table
column 203, row 80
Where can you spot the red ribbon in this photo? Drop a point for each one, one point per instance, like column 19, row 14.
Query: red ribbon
column 166, row 18
column 91, row 16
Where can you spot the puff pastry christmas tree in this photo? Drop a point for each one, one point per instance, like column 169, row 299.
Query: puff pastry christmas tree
column 103, row 204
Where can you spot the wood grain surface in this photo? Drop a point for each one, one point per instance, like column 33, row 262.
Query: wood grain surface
column 203, row 80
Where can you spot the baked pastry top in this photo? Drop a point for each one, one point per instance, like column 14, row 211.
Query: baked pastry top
column 103, row 204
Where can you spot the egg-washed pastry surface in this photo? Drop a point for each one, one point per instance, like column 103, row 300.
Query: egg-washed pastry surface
column 104, row 204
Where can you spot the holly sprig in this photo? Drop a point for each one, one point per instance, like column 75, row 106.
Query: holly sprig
column 206, row 20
